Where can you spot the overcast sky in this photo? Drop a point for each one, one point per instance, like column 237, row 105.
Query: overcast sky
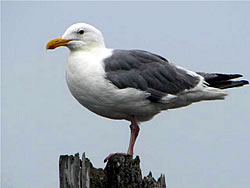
column 205, row 145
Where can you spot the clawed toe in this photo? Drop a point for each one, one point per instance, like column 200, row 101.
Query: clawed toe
column 112, row 154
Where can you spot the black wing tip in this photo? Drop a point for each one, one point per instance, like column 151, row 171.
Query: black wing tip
column 244, row 82
column 232, row 84
column 236, row 75
column 230, row 76
column 224, row 81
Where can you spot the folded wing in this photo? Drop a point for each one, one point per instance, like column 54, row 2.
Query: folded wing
column 148, row 72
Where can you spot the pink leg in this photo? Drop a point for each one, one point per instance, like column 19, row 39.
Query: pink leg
column 134, row 128
column 133, row 135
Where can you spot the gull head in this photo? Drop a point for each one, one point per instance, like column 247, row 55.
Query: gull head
column 80, row 36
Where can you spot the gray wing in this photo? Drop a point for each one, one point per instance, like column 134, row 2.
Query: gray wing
column 148, row 72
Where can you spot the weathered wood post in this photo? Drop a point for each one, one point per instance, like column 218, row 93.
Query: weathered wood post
column 121, row 171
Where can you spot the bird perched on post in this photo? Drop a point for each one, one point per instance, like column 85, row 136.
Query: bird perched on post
column 133, row 85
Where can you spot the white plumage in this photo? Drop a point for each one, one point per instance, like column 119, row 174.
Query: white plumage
column 133, row 85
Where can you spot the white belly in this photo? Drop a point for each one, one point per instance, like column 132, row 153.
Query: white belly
column 85, row 79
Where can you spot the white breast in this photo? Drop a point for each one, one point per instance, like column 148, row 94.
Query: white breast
column 85, row 78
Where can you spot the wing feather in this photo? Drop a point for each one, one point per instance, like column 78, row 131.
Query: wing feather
column 148, row 72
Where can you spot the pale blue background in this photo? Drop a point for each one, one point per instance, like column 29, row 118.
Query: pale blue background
column 205, row 145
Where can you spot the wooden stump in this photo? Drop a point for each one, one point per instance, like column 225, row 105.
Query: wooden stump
column 121, row 171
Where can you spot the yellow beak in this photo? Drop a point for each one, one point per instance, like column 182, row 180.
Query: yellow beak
column 56, row 43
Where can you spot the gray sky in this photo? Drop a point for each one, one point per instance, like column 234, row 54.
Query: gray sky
column 205, row 145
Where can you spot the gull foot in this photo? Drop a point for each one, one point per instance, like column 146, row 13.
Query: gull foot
column 112, row 154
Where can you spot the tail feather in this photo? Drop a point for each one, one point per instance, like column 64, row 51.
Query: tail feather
column 223, row 81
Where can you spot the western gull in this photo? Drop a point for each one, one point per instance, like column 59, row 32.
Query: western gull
column 132, row 85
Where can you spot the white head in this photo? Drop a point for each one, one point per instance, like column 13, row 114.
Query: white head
column 80, row 36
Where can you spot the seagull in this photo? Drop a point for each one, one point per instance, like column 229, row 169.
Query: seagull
column 132, row 85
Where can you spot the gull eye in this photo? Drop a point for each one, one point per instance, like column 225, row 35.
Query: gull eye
column 81, row 32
